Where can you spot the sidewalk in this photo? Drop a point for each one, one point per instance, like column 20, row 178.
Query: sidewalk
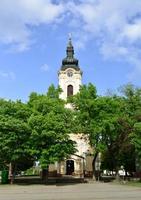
column 83, row 191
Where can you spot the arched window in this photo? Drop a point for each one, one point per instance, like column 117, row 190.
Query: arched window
column 69, row 90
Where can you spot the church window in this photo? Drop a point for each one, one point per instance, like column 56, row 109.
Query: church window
column 69, row 90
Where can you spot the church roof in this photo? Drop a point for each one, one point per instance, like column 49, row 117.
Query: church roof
column 69, row 61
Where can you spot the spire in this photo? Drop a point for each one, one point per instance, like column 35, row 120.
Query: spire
column 70, row 50
column 70, row 61
column 70, row 42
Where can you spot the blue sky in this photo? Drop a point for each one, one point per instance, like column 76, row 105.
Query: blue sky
column 106, row 36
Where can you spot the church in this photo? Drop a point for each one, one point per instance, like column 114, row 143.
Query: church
column 70, row 80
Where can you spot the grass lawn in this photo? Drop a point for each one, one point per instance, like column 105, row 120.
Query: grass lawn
column 136, row 183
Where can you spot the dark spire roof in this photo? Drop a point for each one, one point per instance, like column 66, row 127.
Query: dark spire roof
column 70, row 61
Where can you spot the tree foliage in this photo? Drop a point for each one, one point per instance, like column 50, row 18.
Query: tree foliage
column 39, row 129
column 110, row 121
column 14, row 134
column 51, row 124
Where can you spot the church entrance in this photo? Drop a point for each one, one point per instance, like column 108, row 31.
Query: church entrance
column 69, row 167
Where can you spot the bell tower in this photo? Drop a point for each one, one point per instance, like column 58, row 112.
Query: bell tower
column 70, row 75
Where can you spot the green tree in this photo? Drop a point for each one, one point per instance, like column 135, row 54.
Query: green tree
column 132, row 97
column 14, row 134
column 51, row 124
column 105, row 121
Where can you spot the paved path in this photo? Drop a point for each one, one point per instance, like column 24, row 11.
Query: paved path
column 93, row 191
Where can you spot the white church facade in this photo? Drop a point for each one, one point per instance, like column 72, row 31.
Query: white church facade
column 70, row 80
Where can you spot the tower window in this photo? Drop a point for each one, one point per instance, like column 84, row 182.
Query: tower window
column 69, row 90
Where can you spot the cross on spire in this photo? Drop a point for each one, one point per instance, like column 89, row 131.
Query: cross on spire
column 70, row 36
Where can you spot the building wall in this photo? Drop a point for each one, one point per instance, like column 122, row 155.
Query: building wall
column 82, row 159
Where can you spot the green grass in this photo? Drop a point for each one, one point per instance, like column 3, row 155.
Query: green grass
column 134, row 183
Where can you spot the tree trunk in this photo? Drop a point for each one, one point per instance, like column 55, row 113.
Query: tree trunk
column 117, row 175
column 94, row 170
column 44, row 175
column 11, row 173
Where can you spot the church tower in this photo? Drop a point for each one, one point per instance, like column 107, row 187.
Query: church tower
column 70, row 75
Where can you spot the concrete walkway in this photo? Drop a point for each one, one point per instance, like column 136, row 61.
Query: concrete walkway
column 91, row 191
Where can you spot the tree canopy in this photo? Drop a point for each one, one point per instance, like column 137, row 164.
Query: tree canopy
column 39, row 129
column 110, row 122
column 51, row 124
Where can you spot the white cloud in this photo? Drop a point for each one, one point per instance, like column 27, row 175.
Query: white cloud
column 45, row 68
column 17, row 16
column 114, row 25
column 7, row 75
column 133, row 31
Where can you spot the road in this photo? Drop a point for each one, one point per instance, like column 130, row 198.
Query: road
column 86, row 191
